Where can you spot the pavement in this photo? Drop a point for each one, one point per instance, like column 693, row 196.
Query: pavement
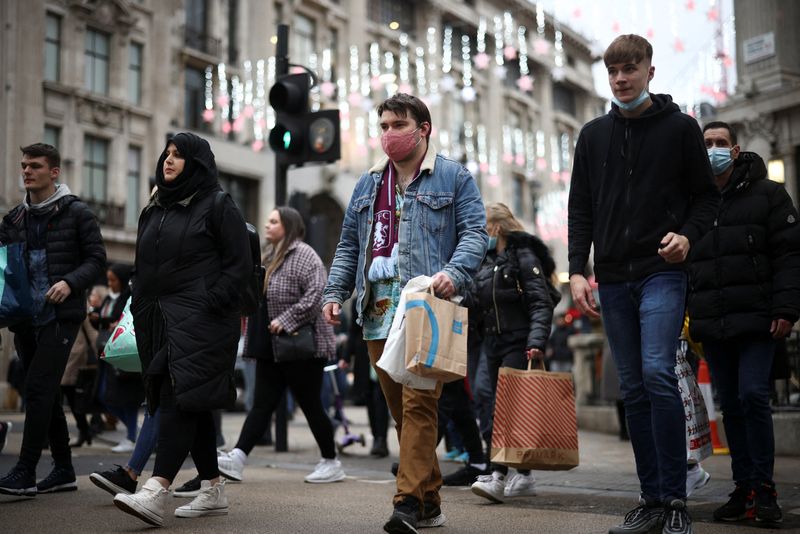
column 274, row 499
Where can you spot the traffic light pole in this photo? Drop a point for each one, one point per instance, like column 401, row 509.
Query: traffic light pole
column 281, row 68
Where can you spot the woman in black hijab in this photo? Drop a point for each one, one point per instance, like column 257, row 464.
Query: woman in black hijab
column 192, row 258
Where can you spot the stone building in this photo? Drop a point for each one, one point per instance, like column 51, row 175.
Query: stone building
column 106, row 81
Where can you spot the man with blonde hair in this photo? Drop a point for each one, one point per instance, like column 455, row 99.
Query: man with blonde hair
column 642, row 193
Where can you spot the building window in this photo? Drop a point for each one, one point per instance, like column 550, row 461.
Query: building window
column 197, row 27
column 194, row 98
column 132, row 206
column 135, row 58
column 517, row 187
column 96, row 58
column 303, row 37
column 233, row 31
column 95, row 168
column 52, row 135
column 399, row 12
column 244, row 193
column 52, row 48
column 564, row 99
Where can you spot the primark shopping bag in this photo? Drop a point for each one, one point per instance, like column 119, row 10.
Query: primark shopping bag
column 121, row 351
column 698, row 430
column 535, row 426
column 436, row 337
column 16, row 300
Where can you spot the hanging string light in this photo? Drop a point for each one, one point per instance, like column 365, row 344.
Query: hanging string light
column 447, row 83
column 208, row 112
column 481, row 59
column 223, row 100
column 433, row 79
column 467, row 92
column 403, row 71
column 525, row 81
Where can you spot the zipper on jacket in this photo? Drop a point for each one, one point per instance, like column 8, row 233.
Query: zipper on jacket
column 494, row 299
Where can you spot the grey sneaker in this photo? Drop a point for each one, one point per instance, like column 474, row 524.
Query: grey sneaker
column 432, row 516
column 640, row 520
column 676, row 518
column 404, row 518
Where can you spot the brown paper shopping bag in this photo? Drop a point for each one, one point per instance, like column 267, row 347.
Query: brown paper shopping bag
column 436, row 337
column 535, row 426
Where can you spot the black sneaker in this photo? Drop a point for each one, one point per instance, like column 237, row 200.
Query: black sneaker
column 432, row 516
column 19, row 481
column 741, row 505
column 767, row 508
column 5, row 428
column 59, row 479
column 641, row 519
column 189, row 489
column 676, row 518
column 114, row 481
column 404, row 518
column 464, row 476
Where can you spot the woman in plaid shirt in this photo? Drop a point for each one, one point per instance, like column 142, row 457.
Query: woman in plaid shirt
column 294, row 283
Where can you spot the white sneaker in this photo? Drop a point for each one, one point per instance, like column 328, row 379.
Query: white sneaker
column 210, row 501
column 231, row 465
column 520, row 485
column 491, row 487
column 326, row 471
column 147, row 504
column 696, row 478
column 125, row 445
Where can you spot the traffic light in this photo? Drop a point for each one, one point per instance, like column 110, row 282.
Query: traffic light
column 301, row 136
column 289, row 98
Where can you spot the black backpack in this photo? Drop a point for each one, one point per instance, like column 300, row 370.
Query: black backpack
column 252, row 293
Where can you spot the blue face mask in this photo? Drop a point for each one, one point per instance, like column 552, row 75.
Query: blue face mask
column 720, row 158
column 633, row 104
column 492, row 242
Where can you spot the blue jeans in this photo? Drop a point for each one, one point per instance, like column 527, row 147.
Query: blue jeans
column 146, row 444
column 740, row 369
column 643, row 321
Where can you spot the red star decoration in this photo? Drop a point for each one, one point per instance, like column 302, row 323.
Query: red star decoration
column 678, row 45
column 690, row 5
column 615, row 26
column 577, row 13
column 713, row 15
column 650, row 33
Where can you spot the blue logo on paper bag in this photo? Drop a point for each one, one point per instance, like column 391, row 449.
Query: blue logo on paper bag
column 458, row 327
column 434, row 328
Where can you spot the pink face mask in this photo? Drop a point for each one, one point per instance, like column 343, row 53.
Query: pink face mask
column 398, row 145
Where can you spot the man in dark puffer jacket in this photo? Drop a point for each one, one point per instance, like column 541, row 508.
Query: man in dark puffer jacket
column 65, row 256
column 745, row 294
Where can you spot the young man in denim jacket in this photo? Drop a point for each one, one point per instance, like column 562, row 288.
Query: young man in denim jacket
column 414, row 213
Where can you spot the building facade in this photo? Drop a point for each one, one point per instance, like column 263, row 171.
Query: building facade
column 765, row 109
column 106, row 81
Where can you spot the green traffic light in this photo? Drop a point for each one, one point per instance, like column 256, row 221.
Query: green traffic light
column 287, row 139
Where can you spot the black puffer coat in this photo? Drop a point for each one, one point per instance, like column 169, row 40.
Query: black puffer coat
column 746, row 271
column 75, row 251
column 510, row 293
column 186, row 286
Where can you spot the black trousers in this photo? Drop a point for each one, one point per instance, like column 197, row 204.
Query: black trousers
column 44, row 352
column 377, row 410
column 182, row 432
column 455, row 405
column 304, row 380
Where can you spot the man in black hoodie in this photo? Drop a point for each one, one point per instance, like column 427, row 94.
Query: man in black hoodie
column 744, row 296
column 65, row 255
column 642, row 193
